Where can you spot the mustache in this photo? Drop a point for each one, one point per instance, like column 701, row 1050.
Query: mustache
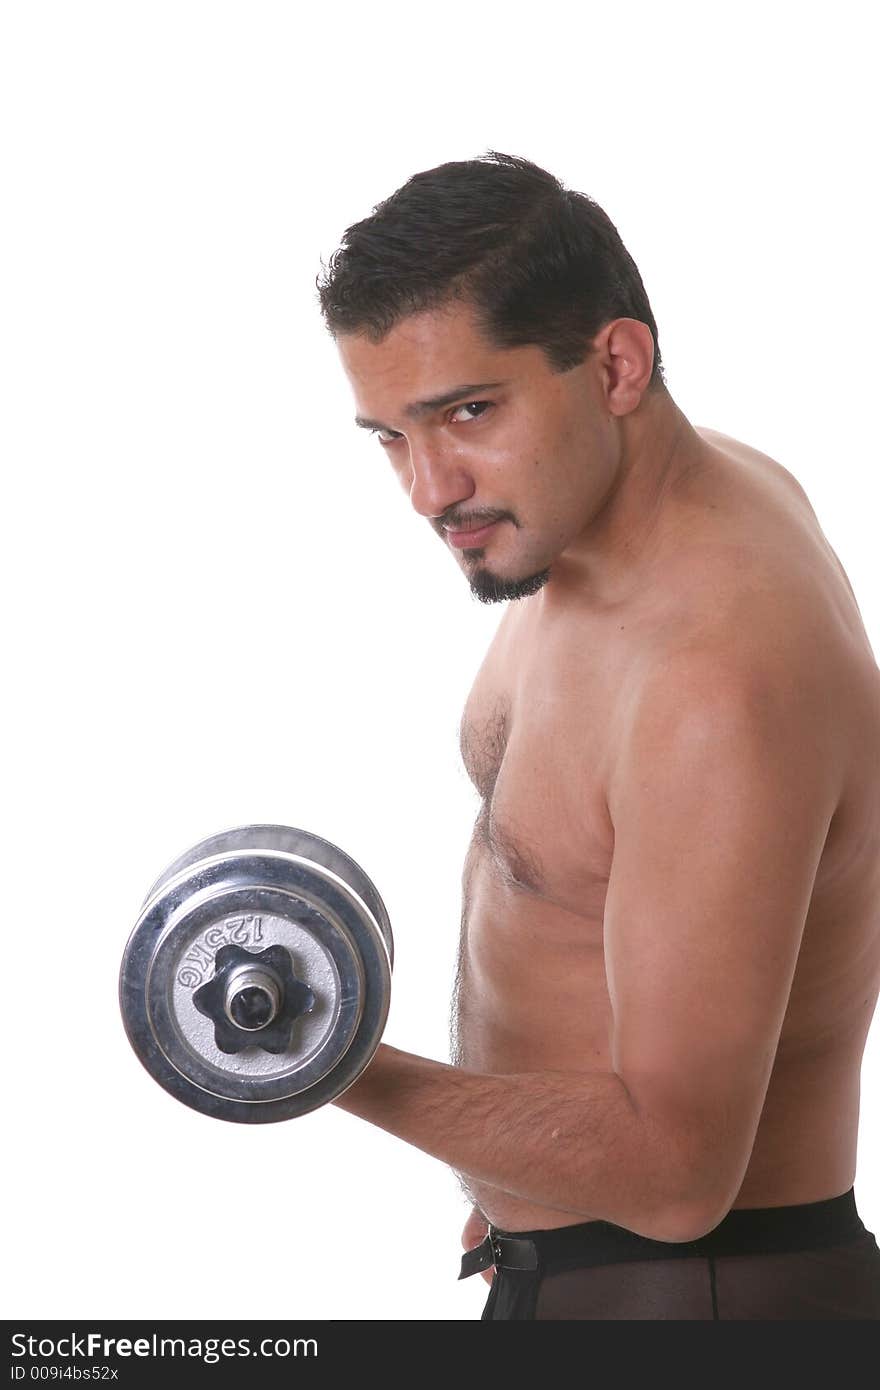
column 459, row 521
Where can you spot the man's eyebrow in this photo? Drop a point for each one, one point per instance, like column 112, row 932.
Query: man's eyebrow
column 416, row 409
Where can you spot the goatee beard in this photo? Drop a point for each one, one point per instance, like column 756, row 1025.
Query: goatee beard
column 491, row 588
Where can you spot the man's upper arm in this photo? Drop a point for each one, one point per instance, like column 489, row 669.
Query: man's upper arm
column 721, row 798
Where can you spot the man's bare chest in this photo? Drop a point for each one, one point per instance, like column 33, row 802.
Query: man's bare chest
column 537, row 739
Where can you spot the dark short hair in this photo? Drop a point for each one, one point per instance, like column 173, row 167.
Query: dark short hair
column 540, row 264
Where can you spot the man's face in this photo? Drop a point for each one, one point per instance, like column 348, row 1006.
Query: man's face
column 507, row 460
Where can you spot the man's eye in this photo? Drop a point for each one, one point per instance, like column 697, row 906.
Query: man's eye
column 389, row 436
column 471, row 405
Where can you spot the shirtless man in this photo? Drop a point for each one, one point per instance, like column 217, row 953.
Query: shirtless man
column 670, row 948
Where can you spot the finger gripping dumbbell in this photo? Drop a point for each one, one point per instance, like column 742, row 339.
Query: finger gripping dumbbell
column 256, row 983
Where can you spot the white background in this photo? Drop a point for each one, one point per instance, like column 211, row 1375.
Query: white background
column 219, row 607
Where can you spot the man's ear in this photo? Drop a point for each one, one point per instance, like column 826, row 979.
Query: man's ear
column 625, row 354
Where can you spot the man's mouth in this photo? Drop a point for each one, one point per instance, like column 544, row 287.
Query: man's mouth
column 470, row 537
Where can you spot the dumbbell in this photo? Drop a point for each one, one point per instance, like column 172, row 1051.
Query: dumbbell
column 256, row 982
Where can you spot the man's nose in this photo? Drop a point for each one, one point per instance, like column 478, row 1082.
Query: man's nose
column 438, row 480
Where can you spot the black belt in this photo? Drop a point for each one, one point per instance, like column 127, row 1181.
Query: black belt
column 504, row 1252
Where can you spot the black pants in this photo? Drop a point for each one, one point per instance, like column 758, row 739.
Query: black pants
column 815, row 1261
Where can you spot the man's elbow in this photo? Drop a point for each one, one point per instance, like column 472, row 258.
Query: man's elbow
column 686, row 1222
column 696, row 1202
column 678, row 1219
column 699, row 1190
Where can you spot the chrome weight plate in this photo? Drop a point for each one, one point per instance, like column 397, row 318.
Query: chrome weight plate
column 256, row 983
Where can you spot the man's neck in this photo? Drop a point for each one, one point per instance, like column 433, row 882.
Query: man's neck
column 660, row 451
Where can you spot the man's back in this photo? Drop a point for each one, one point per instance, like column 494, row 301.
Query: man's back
column 740, row 567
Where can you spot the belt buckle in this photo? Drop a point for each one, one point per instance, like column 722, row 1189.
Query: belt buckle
column 494, row 1246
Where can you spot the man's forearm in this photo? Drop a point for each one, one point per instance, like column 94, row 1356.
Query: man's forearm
column 571, row 1141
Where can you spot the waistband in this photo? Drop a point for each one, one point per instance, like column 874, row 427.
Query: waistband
column 745, row 1231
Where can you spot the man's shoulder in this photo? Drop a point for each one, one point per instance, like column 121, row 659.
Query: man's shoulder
column 767, row 647
column 737, row 611
column 752, row 586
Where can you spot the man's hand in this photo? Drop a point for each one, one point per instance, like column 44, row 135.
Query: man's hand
column 474, row 1231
